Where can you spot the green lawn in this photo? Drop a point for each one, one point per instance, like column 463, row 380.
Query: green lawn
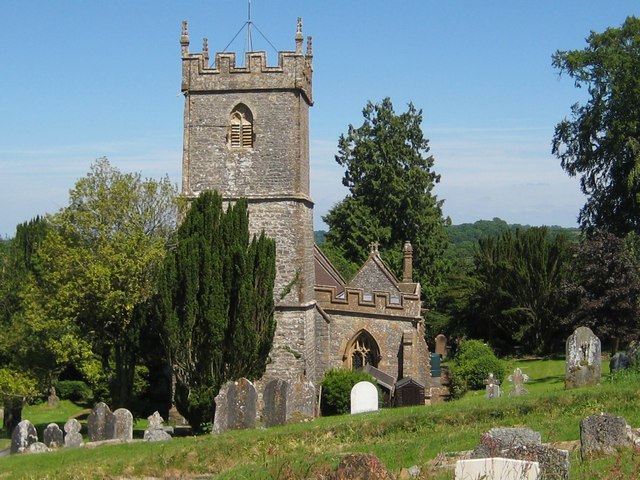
column 399, row 437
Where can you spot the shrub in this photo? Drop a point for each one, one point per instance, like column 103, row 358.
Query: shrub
column 336, row 390
column 472, row 364
column 75, row 390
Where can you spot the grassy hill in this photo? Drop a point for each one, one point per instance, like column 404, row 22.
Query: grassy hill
column 399, row 437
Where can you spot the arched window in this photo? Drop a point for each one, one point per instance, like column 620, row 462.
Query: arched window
column 363, row 351
column 241, row 128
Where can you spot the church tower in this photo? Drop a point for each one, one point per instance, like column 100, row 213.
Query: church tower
column 246, row 134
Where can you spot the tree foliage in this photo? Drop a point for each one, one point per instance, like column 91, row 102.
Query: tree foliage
column 601, row 141
column 97, row 268
column 390, row 181
column 215, row 304
column 518, row 298
column 605, row 279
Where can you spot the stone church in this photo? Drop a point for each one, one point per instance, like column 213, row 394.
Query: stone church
column 246, row 134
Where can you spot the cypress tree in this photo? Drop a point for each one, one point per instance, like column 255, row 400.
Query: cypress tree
column 215, row 304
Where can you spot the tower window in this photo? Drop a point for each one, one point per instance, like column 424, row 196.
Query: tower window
column 241, row 128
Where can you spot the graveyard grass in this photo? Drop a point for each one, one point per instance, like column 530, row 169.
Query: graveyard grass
column 399, row 437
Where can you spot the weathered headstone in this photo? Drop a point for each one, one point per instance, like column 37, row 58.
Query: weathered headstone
column 583, row 359
column 364, row 397
column 235, row 406
column 441, row 345
column 275, row 403
column 120, row 425
column 619, row 361
column 497, row 469
column 23, row 435
column 492, row 387
column 301, row 400
column 37, row 447
column 518, row 379
column 155, row 432
column 52, row 436
column 524, row 444
column 360, row 466
column 53, row 400
column 73, row 437
column 100, row 423
column 602, row 435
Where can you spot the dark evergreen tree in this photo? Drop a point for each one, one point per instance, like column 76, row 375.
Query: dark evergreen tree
column 215, row 304
column 601, row 142
column 390, row 181
column 518, row 298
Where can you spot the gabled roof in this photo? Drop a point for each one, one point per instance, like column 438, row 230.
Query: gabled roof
column 375, row 275
column 326, row 273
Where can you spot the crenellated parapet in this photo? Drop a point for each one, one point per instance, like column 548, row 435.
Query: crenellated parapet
column 355, row 301
column 293, row 72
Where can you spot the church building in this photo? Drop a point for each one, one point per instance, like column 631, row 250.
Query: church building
column 246, row 134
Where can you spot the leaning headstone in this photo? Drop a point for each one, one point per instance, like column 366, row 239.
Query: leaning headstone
column 235, row 406
column 524, row 444
column 120, row 425
column 497, row 469
column 301, row 400
column 602, row 434
column 100, row 423
column 73, row 437
column 518, row 379
column 275, row 403
column 23, row 435
column 53, row 400
column 441, row 346
column 583, row 359
column 364, row 397
column 52, row 436
column 493, row 387
column 155, row 432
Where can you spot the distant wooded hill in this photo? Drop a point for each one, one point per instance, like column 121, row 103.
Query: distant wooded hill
column 464, row 237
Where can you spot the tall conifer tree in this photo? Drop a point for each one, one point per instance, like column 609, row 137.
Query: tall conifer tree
column 216, row 304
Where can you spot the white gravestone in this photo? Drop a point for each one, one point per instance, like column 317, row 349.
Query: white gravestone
column 364, row 397
column 497, row 469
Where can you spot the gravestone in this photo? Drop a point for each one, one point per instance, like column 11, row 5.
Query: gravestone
column 73, row 437
column 583, row 359
column 120, row 425
column 100, row 423
column 497, row 469
column 619, row 361
column 275, row 403
column 493, row 387
column 37, row 447
column 52, row 436
column 155, row 432
column 524, row 444
column 441, row 346
column 235, row 406
column 361, row 466
column 518, row 379
column 602, row 434
column 23, row 435
column 364, row 397
column 301, row 400
column 53, row 400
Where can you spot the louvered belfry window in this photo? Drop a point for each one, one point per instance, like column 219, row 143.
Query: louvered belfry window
column 241, row 128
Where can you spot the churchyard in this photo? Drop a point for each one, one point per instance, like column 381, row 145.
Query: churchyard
column 400, row 438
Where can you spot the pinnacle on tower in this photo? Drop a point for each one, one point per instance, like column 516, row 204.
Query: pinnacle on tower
column 299, row 37
column 184, row 38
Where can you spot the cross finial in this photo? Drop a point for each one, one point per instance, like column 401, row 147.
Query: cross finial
column 373, row 246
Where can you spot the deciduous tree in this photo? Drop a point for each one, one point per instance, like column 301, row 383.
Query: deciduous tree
column 600, row 143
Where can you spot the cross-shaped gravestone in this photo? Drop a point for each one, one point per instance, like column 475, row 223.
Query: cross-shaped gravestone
column 518, row 379
column 493, row 387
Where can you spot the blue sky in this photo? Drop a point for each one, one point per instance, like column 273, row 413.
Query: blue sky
column 82, row 80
